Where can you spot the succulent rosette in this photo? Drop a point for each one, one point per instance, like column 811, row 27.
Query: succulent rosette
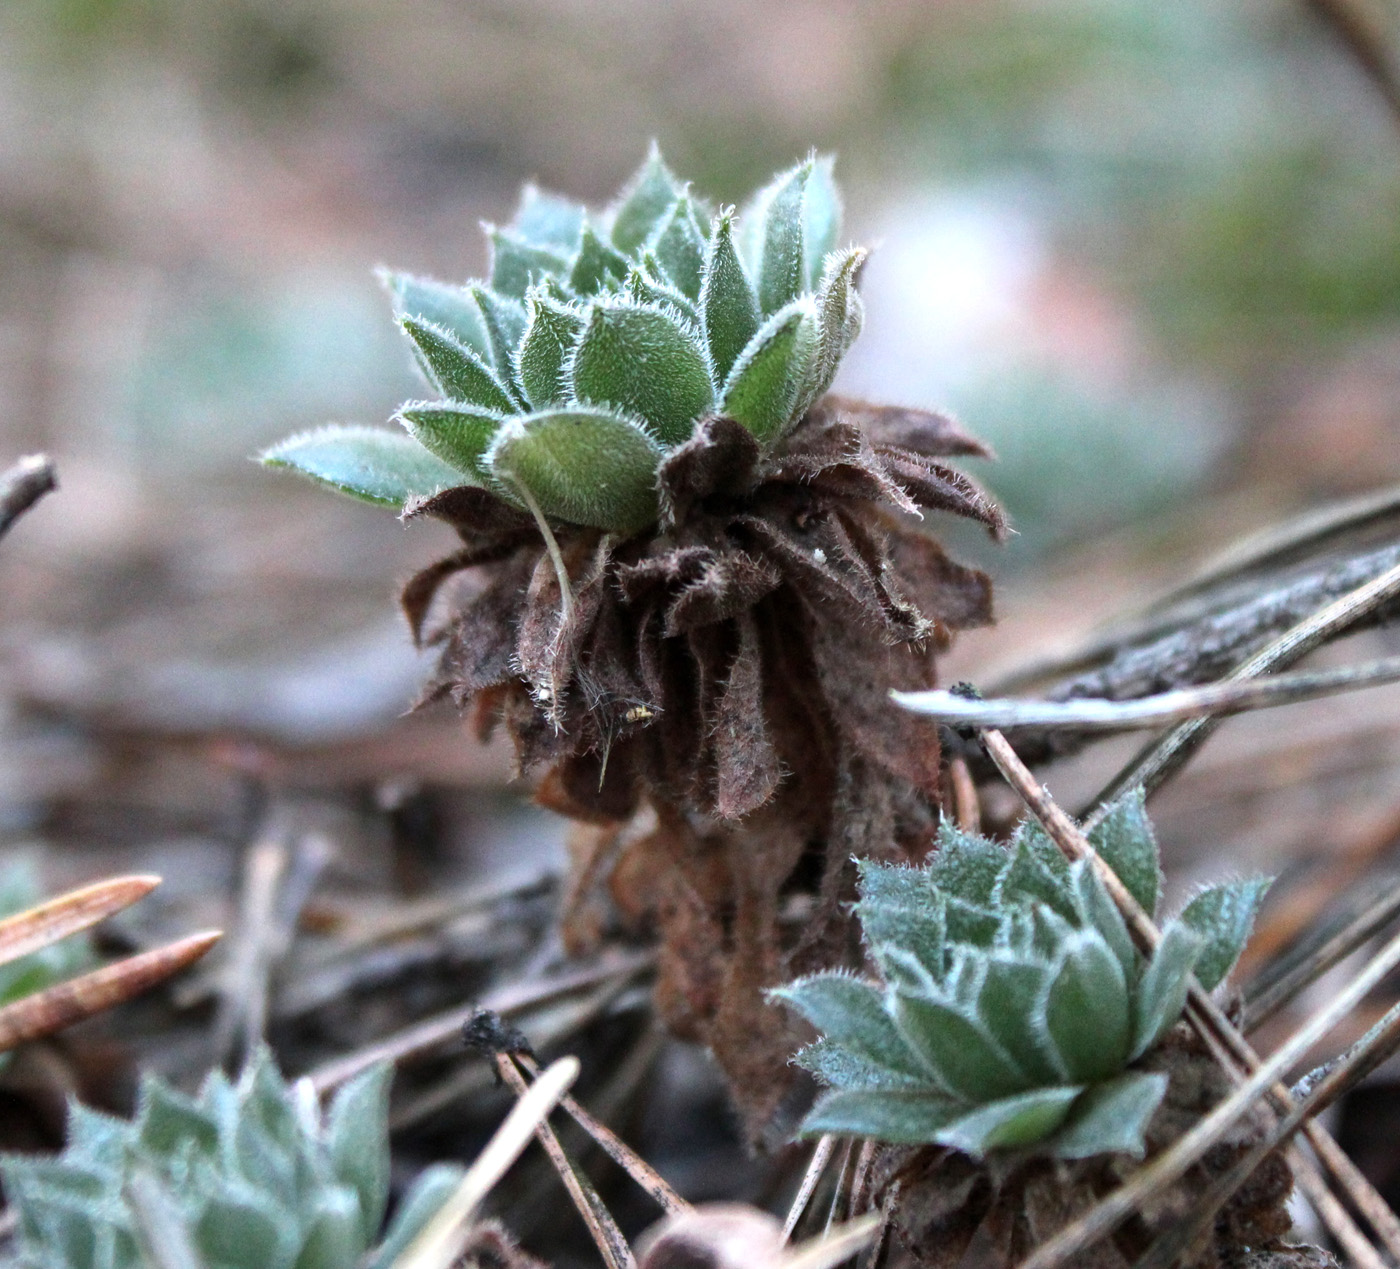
column 1014, row 1005
column 689, row 574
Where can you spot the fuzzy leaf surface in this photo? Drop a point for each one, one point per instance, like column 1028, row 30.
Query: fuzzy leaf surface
column 959, row 1052
column 1008, row 1005
column 840, row 313
column 548, row 220
column 643, row 361
column 1098, row 911
column 1035, row 875
column 844, row 1068
column 597, row 266
column 439, row 304
column 728, row 306
column 967, row 867
column 586, row 466
column 504, row 317
column 851, row 1015
column 368, row 463
column 1087, row 1009
column 516, row 264
column 644, row 201
column 1010, row 1122
column 1161, row 993
column 679, row 246
column 549, row 338
column 821, row 218
column 457, row 434
column 1223, row 916
column 423, row 1201
column 642, row 286
column 357, row 1138
column 1125, row 840
column 763, row 385
column 1112, row 1117
column 780, row 263
column 900, row 1118
column 454, row 369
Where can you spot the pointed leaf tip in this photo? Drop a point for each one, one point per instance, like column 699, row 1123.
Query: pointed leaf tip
column 765, row 381
column 454, row 369
column 369, row 463
column 1224, row 916
column 643, row 202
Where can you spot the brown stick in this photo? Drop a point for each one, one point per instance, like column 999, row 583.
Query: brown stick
column 47, row 922
column 612, row 1246
column 22, row 485
column 1209, row 1022
column 62, row 1005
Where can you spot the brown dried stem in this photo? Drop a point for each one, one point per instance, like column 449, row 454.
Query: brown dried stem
column 616, row 1149
column 46, row 923
column 821, row 1157
column 612, row 1246
column 64, row 1004
column 1215, row 1029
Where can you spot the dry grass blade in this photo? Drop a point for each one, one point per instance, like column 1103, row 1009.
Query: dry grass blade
column 442, row 1239
column 647, row 1177
column 1182, row 705
column 1159, row 761
column 1341, row 1075
column 821, row 1156
column 1225, row 1043
column 1266, row 996
column 46, row 923
column 612, row 1246
column 1173, row 1162
column 22, row 485
column 838, row 1244
column 443, row 1028
column 64, row 1004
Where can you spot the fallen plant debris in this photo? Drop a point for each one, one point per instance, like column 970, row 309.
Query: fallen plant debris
column 680, row 559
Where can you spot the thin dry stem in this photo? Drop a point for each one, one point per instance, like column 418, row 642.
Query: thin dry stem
column 1225, row 1042
column 612, row 1246
column 616, row 1149
column 821, row 1156
column 46, row 923
column 64, row 1004
column 967, row 807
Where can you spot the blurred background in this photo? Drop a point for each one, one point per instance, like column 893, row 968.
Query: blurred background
column 1150, row 251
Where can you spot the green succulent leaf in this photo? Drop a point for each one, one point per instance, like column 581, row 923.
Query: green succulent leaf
column 821, row 218
column 679, row 247
column 368, row 463
column 764, row 383
column 597, row 267
column 517, row 264
column 505, row 326
column 840, row 314
column 1098, row 911
column 548, row 220
column 335, row 1233
column 645, row 361
column 1161, row 994
column 245, row 1230
column 423, row 1201
column 967, row 867
column 1111, row 1118
column 645, row 199
column 1038, row 872
column 1223, row 916
column 458, row 434
column 902, row 1118
column 851, row 1015
column 549, row 338
column 899, row 911
column 585, row 465
column 165, row 1120
column 1010, row 1122
column 957, row 1049
column 842, row 1068
column 357, row 1138
column 728, row 306
column 1086, row 1009
column 1009, row 1006
column 451, row 308
column 454, row 369
column 1126, row 842
column 643, row 287
column 779, row 252
column 973, row 924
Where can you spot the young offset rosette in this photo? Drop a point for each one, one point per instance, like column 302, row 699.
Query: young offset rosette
column 596, row 346
column 1014, row 1002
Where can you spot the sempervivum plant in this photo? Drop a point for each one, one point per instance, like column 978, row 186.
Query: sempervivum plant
column 694, row 575
column 1019, row 1049
column 246, row 1176
column 1014, row 1002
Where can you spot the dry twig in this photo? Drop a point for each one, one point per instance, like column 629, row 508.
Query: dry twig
column 46, row 923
